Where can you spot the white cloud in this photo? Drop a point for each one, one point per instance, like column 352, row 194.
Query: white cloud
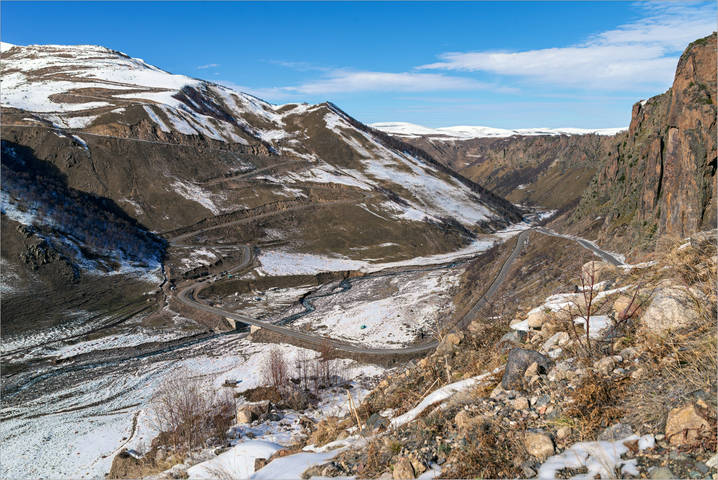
column 209, row 65
column 364, row 81
column 641, row 53
column 348, row 81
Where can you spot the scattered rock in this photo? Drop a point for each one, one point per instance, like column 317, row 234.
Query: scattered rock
column 557, row 339
column 684, row 425
column 517, row 363
column 537, row 319
column 520, row 403
column 563, row 433
column 605, row 366
column 615, row 432
column 450, row 342
column 249, row 412
column 661, row 473
column 538, row 444
column 403, row 469
column 620, row 305
column 629, row 353
column 376, row 422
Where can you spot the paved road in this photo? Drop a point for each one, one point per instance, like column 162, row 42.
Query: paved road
column 604, row 255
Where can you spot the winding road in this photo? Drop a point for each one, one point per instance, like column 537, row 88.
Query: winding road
column 187, row 295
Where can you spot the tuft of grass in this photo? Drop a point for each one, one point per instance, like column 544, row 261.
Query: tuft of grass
column 490, row 450
column 596, row 404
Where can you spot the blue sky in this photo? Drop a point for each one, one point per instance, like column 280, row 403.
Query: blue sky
column 500, row 64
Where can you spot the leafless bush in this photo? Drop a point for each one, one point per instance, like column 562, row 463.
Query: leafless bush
column 186, row 416
column 275, row 369
column 178, row 408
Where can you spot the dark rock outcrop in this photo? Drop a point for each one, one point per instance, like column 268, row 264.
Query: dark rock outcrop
column 517, row 363
column 659, row 178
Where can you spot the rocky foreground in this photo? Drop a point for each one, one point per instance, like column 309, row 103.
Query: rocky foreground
column 527, row 395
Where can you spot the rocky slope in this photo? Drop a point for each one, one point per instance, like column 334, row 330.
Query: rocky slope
column 659, row 177
column 550, row 170
column 173, row 154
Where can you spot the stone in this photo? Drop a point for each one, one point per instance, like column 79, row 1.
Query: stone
column 684, row 425
column 617, row 431
column 512, row 338
column 376, row 422
column 621, row 304
column 249, row 412
column 605, row 366
column 629, row 353
column 564, row 370
column 672, row 307
column 532, row 370
column 638, row 373
column 537, row 319
column 538, row 444
column 403, row 470
column 661, row 473
column 713, row 461
column 563, row 433
column 557, row 339
column 517, row 363
column 419, row 467
column 450, row 342
column 520, row 403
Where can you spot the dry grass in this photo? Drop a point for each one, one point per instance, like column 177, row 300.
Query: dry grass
column 681, row 365
column 490, row 450
column 596, row 404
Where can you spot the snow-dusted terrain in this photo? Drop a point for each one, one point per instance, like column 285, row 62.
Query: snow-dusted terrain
column 466, row 132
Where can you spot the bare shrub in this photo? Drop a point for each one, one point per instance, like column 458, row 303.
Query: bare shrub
column 178, row 407
column 186, row 416
column 275, row 369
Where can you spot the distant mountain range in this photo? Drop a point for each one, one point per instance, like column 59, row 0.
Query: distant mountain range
column 405, row 129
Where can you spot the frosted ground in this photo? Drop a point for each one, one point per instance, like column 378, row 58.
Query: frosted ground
column 74, row 432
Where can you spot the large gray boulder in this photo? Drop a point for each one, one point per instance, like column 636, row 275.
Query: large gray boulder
column 672, row 307
column 518, row 361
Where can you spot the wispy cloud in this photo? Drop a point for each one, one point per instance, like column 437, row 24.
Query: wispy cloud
column 641, row 53
column 299, row 66
column 209, row 65
column 351, row 81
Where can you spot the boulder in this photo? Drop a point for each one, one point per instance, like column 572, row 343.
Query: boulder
column 673, row 306
column 685, row 424
column 605, row 366
column 249, row 412
column 449, row 342
column 621, row 304
column 661, row 473
column 557, row 339
column 403, row 469
column 537, row 318
column 520, row 403
column 518, row 361
column 539, row 444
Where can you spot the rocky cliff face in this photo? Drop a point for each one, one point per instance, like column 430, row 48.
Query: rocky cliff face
column 659, row 177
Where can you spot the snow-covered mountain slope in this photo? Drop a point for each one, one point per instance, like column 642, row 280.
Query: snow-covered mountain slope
column 404, row 129
column 98, row 91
